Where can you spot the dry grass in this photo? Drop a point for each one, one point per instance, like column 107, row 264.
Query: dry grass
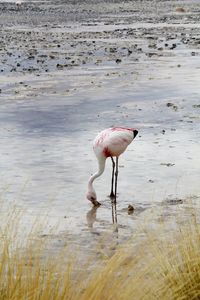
column 157, row 268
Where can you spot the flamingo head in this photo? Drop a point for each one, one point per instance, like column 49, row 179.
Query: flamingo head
column 91, row 195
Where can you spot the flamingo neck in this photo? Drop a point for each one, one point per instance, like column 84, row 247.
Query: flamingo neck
column 101, row 168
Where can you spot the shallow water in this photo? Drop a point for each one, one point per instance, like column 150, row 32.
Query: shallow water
column 48, row 121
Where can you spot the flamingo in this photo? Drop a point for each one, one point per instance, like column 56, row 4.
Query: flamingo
column 111, row 142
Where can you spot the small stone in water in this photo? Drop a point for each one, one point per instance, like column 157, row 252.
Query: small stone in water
column 118, row 60
column 130, row 209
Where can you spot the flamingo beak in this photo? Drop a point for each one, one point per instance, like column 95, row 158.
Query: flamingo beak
column 135, row 132
column 95, row 203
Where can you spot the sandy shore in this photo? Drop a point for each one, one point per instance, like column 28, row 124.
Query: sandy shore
column 69, row 70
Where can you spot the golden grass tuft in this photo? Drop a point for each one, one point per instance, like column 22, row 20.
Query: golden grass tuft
column 161, row 266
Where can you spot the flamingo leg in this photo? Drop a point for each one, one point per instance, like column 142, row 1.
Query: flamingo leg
column 116, row 176
column 112, row 182
column 113, row 213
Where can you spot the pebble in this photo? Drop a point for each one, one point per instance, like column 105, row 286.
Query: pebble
column 167, row 164
column 118, row 60
column 151, row 181
column 174, row 201
column 130, row 209
column 180, row 9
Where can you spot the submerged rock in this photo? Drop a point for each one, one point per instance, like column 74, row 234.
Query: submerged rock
column 130, row 209
column 174, row 201
column 180, row 9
